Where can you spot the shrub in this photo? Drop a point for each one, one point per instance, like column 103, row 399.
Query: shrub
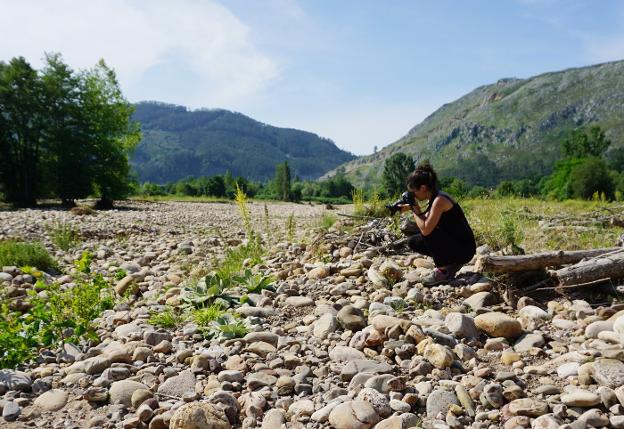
column 24, row 254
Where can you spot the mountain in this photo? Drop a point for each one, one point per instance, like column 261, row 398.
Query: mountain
column 178, row 143
column 511, row 129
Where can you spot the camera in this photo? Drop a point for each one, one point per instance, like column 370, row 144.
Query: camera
column 406, row 198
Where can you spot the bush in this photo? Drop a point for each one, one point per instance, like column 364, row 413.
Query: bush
column 22, row 254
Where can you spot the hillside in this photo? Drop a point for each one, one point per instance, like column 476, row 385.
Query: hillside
column 178, row 142
column 510, row 129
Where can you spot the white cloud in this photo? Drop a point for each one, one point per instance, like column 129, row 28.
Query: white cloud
column 139, row 37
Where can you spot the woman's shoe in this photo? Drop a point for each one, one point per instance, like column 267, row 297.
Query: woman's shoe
column 437, row 277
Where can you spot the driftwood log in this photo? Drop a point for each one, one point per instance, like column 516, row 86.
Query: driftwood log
column 520, row 263
column 605, row 266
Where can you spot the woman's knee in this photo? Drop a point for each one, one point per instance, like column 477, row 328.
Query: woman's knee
column 417, row 244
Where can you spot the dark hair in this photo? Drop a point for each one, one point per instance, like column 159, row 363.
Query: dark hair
column 423, row 175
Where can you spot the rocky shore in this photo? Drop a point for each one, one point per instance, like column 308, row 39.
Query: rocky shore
column 348, row 339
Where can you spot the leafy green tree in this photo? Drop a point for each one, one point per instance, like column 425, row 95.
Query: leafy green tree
column 336, row 186
column 65, row 125
column 585, row 142
column 454, row 186
column 215, row 186
column 282, row 181
column 591, row 175
column 557, row 184
column 21, row 132
column 396, row 169
column 112, row 133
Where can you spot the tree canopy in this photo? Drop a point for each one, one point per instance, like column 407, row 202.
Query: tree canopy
column 396, row 169
column 63, row 133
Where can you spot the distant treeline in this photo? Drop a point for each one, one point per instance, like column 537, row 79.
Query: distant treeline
column 583, row 173
column 336, row 189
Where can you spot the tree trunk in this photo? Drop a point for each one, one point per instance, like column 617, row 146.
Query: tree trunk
column 104, row 204
column 68, row 203
column 517, row 263
column 597, row 268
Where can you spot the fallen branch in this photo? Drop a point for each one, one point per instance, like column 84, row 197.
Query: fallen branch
column 518, row 263
column 600, row 267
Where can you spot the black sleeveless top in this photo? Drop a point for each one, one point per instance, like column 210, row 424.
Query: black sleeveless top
column 454, row 225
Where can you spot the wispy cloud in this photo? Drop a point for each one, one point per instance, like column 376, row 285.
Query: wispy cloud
column 139, row 37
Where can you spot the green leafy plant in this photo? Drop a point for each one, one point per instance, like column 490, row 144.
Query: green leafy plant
column 509, row 230
column 63, row 235
column 398, row 306
column 254, row 283
column 57, row 314
column 210, row 290
column 120, row 274
column 357, row 196
column 227, row 327
column 21, row 254
column 267, row 221
column 84, row 263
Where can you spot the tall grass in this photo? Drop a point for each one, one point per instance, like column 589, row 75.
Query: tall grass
column 290, row 228
column 243, row 209
column 501, row 222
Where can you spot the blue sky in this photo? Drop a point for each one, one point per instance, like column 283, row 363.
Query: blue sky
column 359, row 72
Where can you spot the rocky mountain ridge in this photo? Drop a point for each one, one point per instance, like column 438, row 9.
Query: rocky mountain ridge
column 510, row 129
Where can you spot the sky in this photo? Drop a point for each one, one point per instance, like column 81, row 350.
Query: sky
column 359, row 72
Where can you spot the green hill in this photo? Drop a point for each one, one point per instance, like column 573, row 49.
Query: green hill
column 178, row 143
column 511, row 129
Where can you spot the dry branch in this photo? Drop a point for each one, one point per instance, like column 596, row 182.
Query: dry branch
column 600, row 267
column 518, row 263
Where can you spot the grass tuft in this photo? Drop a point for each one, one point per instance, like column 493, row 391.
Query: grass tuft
column 21, row 254
column 167, row 318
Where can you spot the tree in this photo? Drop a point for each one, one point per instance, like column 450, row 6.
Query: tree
column 591, row 176
column 21, row 131
column 584, row 143
column 69, row 166
column 110, row 131
column 282, row 181
column 615, row 159
column 396, row 169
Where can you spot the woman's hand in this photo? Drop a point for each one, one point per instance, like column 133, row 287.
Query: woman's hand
column 404, row 208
